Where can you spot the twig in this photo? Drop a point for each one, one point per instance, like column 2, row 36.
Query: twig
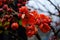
column 47, row 9
column 38, row 37
column 55, row 7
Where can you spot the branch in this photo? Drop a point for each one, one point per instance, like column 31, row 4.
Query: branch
column 54, row 6
column 57, row 32
column 38, row 37
column 53, row 30
column 45, row 8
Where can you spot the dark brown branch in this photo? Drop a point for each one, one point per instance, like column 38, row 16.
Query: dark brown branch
column 57, row 32
column 53, row 29
column 46, row 8
column 38, row 37
column 54, row 6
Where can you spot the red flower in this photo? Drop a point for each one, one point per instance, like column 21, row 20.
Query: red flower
column 35, row 13
column 19, row 15
column 23, row 9
column 31, row 19
column 5, row 6
column 14, row 26
column 6, row 16
column 9, row 10
column 19, row 5
column 1, row 3
column 1, row 10
column 24, row 22
column 44, row 27
column 38, row 21
column 28, row 19
column 30, row 34
column 30, row 30
column 44, row 19
column 30, row 27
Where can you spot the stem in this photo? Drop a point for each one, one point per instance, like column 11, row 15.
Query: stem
column 57, row 32
column 38, row 37
column 52, row 29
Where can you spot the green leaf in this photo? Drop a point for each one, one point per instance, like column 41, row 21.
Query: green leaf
column 20, row 22
column 0, row 24
column 6, row 23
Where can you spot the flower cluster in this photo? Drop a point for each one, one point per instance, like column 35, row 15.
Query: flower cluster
column 31, row 20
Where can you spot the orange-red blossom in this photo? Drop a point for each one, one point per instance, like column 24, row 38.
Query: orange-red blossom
column 31, row 19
